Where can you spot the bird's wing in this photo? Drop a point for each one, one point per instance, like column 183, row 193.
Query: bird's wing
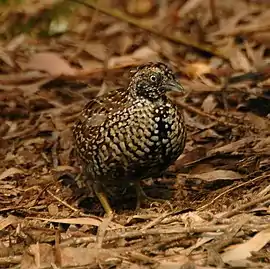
column 96, row 111
column 95, row 114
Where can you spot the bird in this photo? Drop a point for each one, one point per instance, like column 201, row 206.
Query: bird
column 132, row 133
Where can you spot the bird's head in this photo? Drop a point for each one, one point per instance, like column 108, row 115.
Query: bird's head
column 152, row 81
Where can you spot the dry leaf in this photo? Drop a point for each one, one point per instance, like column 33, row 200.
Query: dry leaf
column 38, row 256
column 263, row 146
column 116, row 28
column 90, row 65
column 139, row 7
column 125, row 42
column 232, row 147
column 177, row 263
column 64, row 168
column 6, row 58
column 11, row 172
column 218, row 174
column 198, row 69
column 97, row 50
column 200, row 242
column 51, row 63
column 43, row 256
column 85, row 256
column 16, row 42
column 32, row 8
column 262, row 37
column 53, row 209
column 5, row 222
column 244, row 250
column 258, row 122
column 209, row 103
column 239, row 61
column 95, row 221
column 206, row 134
column 140, row 55
column 191, row 219
column 188, row 7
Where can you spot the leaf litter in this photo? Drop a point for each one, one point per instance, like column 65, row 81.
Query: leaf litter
column 218, row 214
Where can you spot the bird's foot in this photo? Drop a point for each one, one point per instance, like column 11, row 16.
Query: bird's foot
column 142, row 197
column 101, row 195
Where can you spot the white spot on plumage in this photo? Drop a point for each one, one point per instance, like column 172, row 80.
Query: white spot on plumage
column 154, row 138
column 165, row 140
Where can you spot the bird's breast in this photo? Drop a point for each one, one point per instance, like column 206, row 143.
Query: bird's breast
column 138, row 142
column 145, row 132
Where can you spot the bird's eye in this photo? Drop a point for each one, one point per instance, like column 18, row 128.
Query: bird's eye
column 153, row 78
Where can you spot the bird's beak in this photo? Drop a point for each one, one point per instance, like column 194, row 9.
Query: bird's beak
column 173, row 85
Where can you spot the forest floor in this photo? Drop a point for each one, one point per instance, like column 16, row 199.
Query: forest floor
column 56, row 55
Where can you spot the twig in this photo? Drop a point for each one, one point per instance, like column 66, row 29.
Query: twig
column 213, row 10
column 177, row 37
column 19, row 78
column 54, row 149
column 156, row 221
column 229, row 190
column 141, row 217
column 11, row 208
column 25, row 132
column 199, row 112
column 264, row 191
column 188, row 7
column 141, row 258
column 167, row 242
column 84, row 43
column 178, row 229
column 225, row 239
column 62, row 202
column 74, row 241
column 173, row 230
column 262, row 74
column 245, row 206
column 10, row 260
column 54, row 266
column 58, row 258
column 102, row 230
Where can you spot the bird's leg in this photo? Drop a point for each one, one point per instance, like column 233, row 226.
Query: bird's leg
column 141, row 196
column 101, row 195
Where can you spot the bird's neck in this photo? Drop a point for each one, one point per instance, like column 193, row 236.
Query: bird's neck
column 161, row 100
